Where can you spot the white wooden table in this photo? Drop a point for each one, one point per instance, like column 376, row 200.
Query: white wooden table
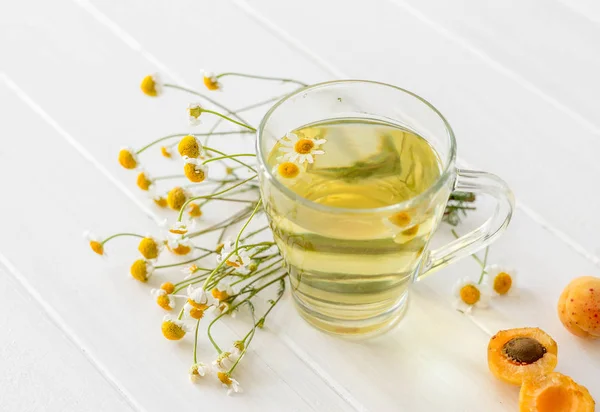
column 518, row 80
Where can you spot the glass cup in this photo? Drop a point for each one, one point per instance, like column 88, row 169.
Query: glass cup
column 349, row 272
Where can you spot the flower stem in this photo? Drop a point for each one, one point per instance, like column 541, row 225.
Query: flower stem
column 252, row 76
column 214, row 159
column 483, row 272
column 208, row 99
column 215, row 194
column 182, row 263
column 237, row 239
column 210, row 149
column 119, row 235
column 228, row 118
column 196, row 341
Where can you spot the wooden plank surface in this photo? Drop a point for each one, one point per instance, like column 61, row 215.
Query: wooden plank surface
column 73, row 96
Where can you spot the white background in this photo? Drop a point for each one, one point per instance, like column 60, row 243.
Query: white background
column 517, row 79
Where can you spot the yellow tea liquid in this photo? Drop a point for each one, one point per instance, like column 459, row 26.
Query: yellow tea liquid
column 350, row 267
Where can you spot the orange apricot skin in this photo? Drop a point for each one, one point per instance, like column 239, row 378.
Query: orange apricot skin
column 509, row 372
column 553, row 392
column 579, row 307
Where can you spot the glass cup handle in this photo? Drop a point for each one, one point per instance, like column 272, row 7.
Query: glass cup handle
column 476, row 182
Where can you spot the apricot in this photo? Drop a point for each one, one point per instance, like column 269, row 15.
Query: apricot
column 554, row 392
column 579, row 307
column 517, row 354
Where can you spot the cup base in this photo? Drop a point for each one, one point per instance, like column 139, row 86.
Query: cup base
column 354, row 329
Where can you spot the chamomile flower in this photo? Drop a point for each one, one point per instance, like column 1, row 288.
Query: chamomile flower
column 166, row 152
column 173, row 329
column 176, row 198
column 189, row 271
column 180, row 228
column 141, row 270
column 229, row 383
column 150, row 247
column 168, row 287
column 195, row 210
column 398, row 221
column 151, row 85
column 300, row 150
column 211, row 81
column 144, row 181
column 237, row 348
column 180, row 245
column 197, row 297
column 502, row 280
column 224, row 308
column 222, row 291
column 163, row 299
column 224, row 361
column 128, row 158
column 194, row 111
column 469, row 294
column 95, row 243
column 238, row 260
column 189, row 146
column 158, row 199
column 198, row 370
column 194, row 169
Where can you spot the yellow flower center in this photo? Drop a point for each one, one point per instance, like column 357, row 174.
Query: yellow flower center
column 165, row 152
column 161, row 202
column 220, row 295
column 97, row 247
column 179, row 230
column 139, row 271
column 229, row 170
column 195, row 210
column 193, row 173
column 211, row 84
column 143, row 182
column 196, row 313
column 224, row 378
column 232, row 263
column 470, row 294
column 168, row 287
column 188, row 146
column 172, row 331
column 219, row 247
column 502, row 283
column 148, row 248
column 201, row 306
column 126, row 159
column 148, row 86
column 195, row 111
column 164, row 302
column 181, row 250
column 401, row 219
column 411, row 231
column 304, row 146
column 176, row 198
column 288, row 170
column 239, row 345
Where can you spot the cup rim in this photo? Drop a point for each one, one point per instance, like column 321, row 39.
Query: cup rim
column 267, row 173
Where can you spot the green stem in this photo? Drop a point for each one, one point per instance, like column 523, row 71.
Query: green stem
column 474, row 256
column 256, row 232
column 171, row 136
column 228, row 118
column 195, row 93
column 214, row 159
column 119, row 235
column 196, row 341
column 180, row 313
column 182, row 263
column 483, row 272
column 252, row 76
column 237, row 239
column 217, row 348
column 204, row 197
column 210, row 149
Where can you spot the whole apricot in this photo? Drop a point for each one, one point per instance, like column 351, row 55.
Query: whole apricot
column 579, row 307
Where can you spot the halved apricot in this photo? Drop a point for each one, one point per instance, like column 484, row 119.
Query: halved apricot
column 517, row 354
column 579, row 307
column 554, row 392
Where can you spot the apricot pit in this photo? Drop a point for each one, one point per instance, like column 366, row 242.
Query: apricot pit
column 517, row 354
